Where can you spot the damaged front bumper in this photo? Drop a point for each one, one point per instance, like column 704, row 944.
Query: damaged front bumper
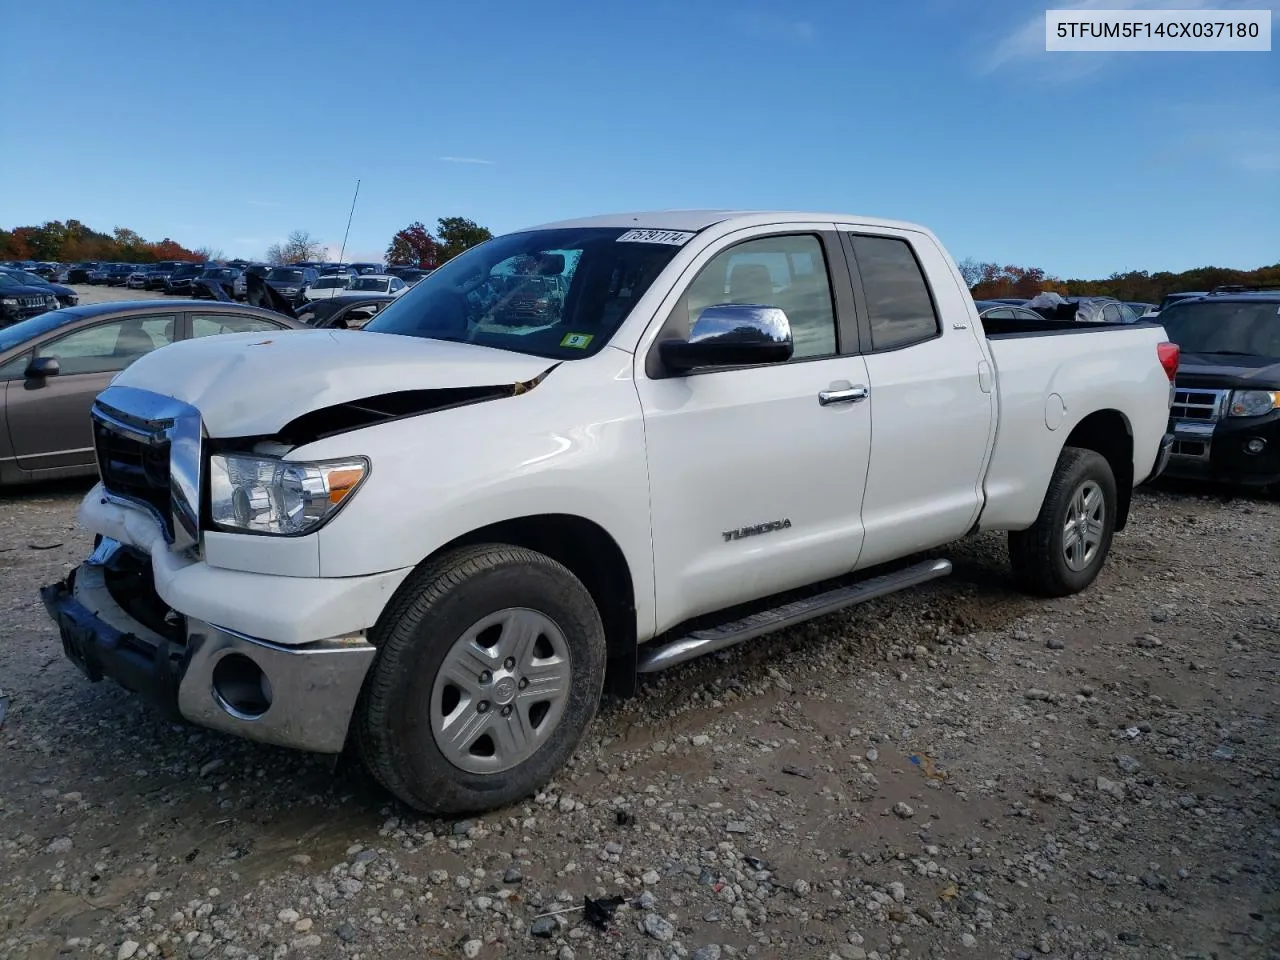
column 294, row 696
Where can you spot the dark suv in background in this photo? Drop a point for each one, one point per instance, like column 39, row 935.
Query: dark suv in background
column 179, row 282
column 1226, row 406
column 289, row 282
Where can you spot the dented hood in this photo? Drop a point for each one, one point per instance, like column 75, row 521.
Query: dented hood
column 253, row 384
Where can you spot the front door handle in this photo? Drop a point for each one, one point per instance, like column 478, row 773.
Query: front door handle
column 846, row 395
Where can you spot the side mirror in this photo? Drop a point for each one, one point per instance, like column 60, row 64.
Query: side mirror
column 42, row 367
column 731, row 335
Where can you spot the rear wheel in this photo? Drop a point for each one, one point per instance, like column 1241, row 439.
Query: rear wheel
column 490, row 668
column 1064, row 550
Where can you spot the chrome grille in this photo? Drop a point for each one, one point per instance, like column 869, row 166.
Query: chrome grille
column 135, row 469
column 1203, row 405
column 150, row 448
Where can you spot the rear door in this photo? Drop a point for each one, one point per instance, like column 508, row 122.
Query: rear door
column 932, row 394
column 49, row 416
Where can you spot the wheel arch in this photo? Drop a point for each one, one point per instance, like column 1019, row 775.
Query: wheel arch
column 1109, row 433
column 593, row 556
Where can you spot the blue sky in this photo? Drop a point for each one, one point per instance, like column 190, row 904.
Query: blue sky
column 230, row 124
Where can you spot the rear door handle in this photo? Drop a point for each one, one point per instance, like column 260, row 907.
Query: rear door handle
column 846, row 395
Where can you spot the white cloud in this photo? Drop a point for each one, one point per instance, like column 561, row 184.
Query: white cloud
column 466, row 160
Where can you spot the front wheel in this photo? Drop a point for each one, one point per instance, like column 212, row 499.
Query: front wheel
column 490, row 667
column 1064, row 550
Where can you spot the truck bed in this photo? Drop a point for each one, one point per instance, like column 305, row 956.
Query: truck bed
column 1049, row 375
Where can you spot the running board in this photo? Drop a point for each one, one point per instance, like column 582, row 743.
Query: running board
column 654, row 657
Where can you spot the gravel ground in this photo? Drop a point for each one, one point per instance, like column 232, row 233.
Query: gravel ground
column 101, row 294
column 958, row 771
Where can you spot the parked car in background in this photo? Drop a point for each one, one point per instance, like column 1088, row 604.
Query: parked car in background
column 346, row 312
column 1172, row 298
column 1226, row 407
column 1141, row 309
column 363, row 268
column 138, row 279
column 224, row 276
column 66, row 296
column 1102, row 310
column 430, row 538
column 410, row 275
column 378, row 283
column 80, row 272
column 240, row 289
column 52, row 367
column 98, row 275
column 19, row 301
column 289, row 282
column 178, row 283
column 1002, row 310
column 158, row 273
column 326, row 286
column 118, row 274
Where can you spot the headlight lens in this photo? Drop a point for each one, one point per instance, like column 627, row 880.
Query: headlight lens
column 280, row 497
column 1253, row 403
column 9, row 301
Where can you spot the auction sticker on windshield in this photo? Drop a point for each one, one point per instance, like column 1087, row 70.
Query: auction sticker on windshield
column 675, row 238
column 578, row 341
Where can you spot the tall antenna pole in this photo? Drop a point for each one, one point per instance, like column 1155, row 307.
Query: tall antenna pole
column 342, row 252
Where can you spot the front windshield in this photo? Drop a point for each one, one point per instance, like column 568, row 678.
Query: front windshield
column 371, row 283
column 289, row 276
column 551, row 293
column 329, row 283
column 1251, row 329
column 28, row 329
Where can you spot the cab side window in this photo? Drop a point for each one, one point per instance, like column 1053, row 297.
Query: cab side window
column 788, row 272
column 899, row 305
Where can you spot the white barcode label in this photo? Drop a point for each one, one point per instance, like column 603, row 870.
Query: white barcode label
column 675, row 238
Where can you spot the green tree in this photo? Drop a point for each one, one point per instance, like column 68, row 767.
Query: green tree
column 458, row 234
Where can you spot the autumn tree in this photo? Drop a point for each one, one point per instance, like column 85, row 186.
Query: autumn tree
column 71, row 241
column 210, row 254
column 458, row 234
column 413, row 247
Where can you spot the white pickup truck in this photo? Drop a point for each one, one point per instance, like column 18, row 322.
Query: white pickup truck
column 596, row 447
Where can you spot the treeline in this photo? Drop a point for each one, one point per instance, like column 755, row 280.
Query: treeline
column 988, row 281
column 72, row 241
column 416, row 246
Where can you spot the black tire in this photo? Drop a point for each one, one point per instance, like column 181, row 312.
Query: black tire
column 1037, row 554
column 436, row 606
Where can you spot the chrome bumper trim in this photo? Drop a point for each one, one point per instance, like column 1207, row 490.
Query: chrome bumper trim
column 314, row 687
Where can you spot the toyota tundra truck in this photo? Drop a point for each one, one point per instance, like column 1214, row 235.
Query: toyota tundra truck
column 432, row 541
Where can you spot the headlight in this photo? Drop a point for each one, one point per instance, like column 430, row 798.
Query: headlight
column 1253, row 403
column 9, row 301
column 280, row 497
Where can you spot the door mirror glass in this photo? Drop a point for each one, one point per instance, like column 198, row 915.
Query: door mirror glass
column 42, row 367
column 731, row 335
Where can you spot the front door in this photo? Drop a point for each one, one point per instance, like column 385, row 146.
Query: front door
column 49, row 416
column 756, row 486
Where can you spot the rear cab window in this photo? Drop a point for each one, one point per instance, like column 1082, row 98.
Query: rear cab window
column 899, row 305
